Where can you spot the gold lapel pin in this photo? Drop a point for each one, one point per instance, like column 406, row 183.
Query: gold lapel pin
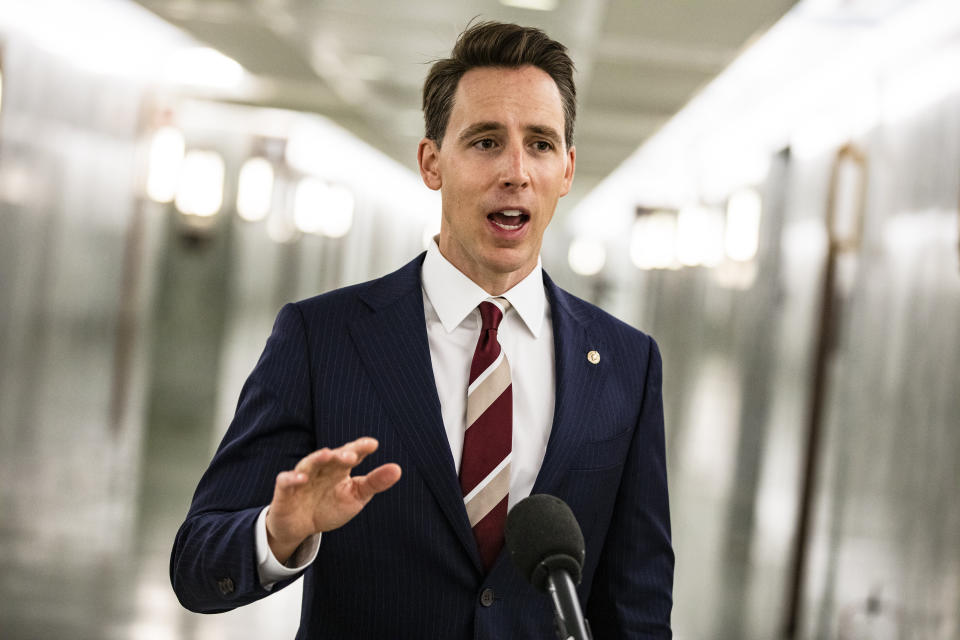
column 593, row 357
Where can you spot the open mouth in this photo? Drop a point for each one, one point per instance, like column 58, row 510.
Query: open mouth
column 509, row 219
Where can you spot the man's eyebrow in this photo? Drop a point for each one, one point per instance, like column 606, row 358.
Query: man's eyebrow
column 480, row 127
column 547, row 132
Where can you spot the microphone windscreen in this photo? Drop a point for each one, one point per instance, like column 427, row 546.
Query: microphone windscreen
column 542, row 534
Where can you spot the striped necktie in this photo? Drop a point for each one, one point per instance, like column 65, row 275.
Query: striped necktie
column 485, row 464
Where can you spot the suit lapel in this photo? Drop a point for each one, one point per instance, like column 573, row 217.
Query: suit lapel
column 578, row 386
column 392, row 342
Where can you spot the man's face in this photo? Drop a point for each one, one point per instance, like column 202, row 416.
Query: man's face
column 502, row 167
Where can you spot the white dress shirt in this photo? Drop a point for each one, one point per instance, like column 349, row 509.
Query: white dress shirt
column 450, row 301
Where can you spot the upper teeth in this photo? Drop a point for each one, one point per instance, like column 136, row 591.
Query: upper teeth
column 513, row 213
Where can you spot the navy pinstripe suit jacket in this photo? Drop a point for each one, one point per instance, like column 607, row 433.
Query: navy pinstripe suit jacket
column 356, row 362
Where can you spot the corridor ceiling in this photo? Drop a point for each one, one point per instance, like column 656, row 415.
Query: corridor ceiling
column 361, row 63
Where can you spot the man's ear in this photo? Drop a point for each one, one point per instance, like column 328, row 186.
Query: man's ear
column 569, row 170
column 428, row 157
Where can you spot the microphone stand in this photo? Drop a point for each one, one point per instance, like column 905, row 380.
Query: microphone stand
column 571, row 624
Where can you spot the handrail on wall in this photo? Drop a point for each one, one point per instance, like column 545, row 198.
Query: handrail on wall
column 847, row 240
column 841, row 240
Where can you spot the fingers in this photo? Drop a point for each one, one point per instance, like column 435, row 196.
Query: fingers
column 359, row 448
column 339, row 462
column 308, row 464
column 378, row 480
column 347, row 456
column 319, row 494
column 287, row 483
column 288, row 480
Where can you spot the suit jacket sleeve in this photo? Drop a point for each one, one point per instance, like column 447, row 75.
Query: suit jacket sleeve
column 213, row 566
column 631, row 594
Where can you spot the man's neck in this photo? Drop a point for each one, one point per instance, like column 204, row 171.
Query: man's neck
column 493, row 282
column 498, row 284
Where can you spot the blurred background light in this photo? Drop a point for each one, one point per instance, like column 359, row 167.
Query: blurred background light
column 736, row 275
column 322, row 208
column 308, row 203
column 203, row 67
column 699, row 236
column 807, row 237
column 913, row 87
column 586, row 256
column 827, row 73
column 200, row 188
column 726, row 165
column 534, row 5
column 110, row 37
column 281, row 228
column 337, row 216
column 912, row 232
column 321, row 148
column 653, row 241
column 166, row 157
column 255, row 189
column 743, row 225
column 18, row 185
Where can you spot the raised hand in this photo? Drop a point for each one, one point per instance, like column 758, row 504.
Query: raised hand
column 319, row 494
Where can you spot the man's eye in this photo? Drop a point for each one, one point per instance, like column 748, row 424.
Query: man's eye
column 486, row 143
column 543, row 145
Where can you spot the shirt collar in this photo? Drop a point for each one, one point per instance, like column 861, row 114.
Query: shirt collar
column 454, row 296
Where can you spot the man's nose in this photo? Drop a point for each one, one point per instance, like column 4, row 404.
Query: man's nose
column 513, row 171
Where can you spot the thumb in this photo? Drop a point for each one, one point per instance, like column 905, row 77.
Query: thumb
column 378, row 480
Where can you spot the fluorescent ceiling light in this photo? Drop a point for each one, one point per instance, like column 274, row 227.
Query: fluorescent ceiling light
column 255, row 189
column 535, row 5
column 112, row 37
column 308, row 204
column 119, row 38
column 203, row 67
column 200, row 190
column 338, row 213
column 166, row 157
column 827, row 73
column 323, row 209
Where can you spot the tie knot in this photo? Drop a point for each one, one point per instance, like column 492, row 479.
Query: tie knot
column 491, row 313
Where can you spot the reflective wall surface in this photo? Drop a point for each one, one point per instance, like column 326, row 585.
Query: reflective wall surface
column 127, row 331
column 880, row 556
column 127, row 328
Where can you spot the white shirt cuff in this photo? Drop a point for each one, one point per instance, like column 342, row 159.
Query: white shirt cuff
column 269, row 569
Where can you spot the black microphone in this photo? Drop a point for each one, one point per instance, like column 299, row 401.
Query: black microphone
column 546, row 544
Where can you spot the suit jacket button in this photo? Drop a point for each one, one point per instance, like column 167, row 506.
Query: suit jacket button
column 486, row 597
column 226, row 586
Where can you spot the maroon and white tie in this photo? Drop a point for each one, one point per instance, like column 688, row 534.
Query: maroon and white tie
column 485, row 463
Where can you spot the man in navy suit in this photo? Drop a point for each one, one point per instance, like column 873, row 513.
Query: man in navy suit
column 389, row 367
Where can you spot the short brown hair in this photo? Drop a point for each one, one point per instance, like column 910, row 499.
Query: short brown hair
column 496, row 44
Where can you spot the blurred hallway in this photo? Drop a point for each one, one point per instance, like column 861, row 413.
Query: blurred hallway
column 819, row 295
